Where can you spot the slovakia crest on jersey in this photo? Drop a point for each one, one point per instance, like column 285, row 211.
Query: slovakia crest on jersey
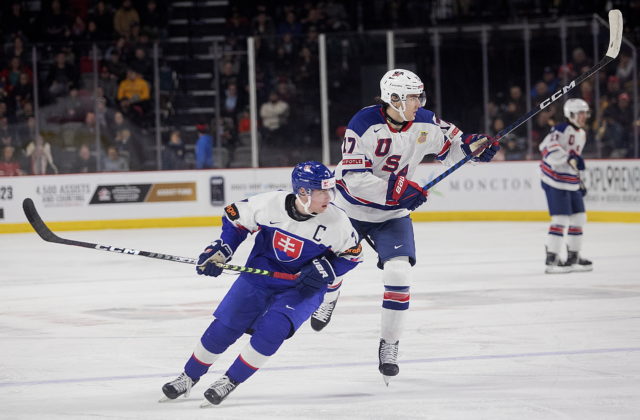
column 287, row 248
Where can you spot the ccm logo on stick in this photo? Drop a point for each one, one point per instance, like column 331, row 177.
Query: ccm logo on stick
column 116, row 249
column 557, row 95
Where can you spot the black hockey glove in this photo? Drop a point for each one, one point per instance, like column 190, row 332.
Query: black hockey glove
column 218, row 251
column 315, row 276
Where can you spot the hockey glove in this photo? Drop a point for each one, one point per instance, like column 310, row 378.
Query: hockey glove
column 218, row 251
column 582, row 189
column 474, row 141
column 576, row 161
column 407, row 194
column 315, row 276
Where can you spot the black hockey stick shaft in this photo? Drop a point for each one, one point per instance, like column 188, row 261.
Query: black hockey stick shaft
column 615, row 40
column 45, row 233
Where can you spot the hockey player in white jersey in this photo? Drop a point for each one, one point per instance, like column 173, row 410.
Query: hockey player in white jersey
column 300, row 232
column 560, row 173
column 382, row 147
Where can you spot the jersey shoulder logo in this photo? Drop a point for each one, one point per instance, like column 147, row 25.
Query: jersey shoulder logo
column 287, row 248
column 422, row 137
column 232, row 212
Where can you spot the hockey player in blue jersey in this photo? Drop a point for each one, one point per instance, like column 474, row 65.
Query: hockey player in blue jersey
column 300, row 232
column 560, row 171
column 382, row 148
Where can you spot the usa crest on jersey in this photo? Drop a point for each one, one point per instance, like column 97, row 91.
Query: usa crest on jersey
column 287, row 248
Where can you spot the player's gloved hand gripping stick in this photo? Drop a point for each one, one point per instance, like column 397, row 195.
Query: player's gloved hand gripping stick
column 45, row 233
column 615, row 40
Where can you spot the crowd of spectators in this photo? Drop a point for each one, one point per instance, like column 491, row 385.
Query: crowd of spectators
column 71, row 108
column 611, row 127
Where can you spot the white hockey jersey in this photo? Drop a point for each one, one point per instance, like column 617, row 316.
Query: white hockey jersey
column 555, row 148
column 372, row 150
column 284, row 244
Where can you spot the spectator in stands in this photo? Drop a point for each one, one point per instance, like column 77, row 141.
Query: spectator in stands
column 624, row 69
column 11, row 74
column 514, row 146
column 61, row 78
column 115, row 66
column 7, row 134
column 88, row 132
column 153, row 20
column 617, row 128
column 9, row 164
column 228, row 74
column 16, row 22
column 613, row 89
column 39, row 157
column 142, row 64
column 109, row 84
column 113, row 162
column 23, row 91
column 54, row 24
column 103, row 17
column 16, row 49
column 134, row 88
column 274, row 114
column 84, row 162
column 262, row 25
column 290, row 25
column 237, row 24
column 204, row 148
column 173, row 154
column 124, row 19
column 232, row 103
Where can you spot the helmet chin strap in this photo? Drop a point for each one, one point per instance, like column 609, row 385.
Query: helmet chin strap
column 399, row 111
column 305, row 206
column 393, row 121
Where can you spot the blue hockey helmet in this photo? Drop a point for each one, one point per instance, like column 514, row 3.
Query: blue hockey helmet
column 312, row 175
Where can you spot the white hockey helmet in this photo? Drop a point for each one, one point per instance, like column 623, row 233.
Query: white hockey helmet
column 574, row 106
column 397, row 84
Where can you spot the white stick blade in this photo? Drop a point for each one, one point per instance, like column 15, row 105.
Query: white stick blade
column 615, row 33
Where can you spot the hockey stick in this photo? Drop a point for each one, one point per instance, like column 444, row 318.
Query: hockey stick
column 615, row 39
column 45, row 233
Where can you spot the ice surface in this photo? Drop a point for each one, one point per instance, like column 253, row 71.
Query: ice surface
column 87, row 334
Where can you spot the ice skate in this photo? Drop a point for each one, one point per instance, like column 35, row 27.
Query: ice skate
column 218, row 391
column 577, row 264
column 180, row 386
column 322, row 315
column 554, row 265
column 388, row 355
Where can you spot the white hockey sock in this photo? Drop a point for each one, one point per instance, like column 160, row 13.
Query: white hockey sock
column 574, row 237
column 555, row 236
column 396, row 278
column 392, row 325
column 204, row 355
column 333, row 291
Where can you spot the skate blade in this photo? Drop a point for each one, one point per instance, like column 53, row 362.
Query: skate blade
column 386, row 379
column 206, row 404
column 557, row 270
column 165, row 399
column 581, row 269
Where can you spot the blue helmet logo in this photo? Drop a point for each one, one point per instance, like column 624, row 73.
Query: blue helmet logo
column 312, row 175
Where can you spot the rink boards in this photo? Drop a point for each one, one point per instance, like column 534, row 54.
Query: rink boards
column 497, row 191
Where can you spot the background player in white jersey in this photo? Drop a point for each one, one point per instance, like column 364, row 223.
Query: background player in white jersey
column 295, row 233
column 560, row 172
column 383, row 146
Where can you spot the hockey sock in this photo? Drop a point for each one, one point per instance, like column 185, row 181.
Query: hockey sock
column 270, row 333
column 574, row 237
column 215, row 340
column 396, row 298
column 332, row 291
column 555, row 237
